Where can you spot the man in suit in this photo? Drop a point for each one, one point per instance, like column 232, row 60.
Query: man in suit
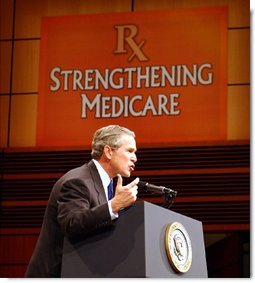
column 79, row 204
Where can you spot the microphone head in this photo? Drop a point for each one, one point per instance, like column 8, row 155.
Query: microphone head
column 142, row 184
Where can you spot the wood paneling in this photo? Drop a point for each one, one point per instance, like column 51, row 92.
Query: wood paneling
column 26, row 66
column 13, row 271
column 208, row 178
column 5, row 66
column 239, row 56
column 6, row 19
column 16, row 249
column 239, row 10
column 4, row 111
column 29, row 12
column 212, row 181
column 227, row 263
column 26, row 52
column 213, row 186
column 238, row 112
column 23, row 120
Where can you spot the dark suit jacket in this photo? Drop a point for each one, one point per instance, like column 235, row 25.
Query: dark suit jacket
column 77, row 207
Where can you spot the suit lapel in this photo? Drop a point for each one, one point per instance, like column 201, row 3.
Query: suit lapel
column 98, row 185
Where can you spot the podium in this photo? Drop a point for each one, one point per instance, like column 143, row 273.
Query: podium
column 134, row 247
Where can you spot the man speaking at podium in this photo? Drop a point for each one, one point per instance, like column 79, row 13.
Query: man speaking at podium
column 82, row 201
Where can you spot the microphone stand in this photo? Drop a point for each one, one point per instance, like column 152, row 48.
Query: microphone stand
column 169, row 199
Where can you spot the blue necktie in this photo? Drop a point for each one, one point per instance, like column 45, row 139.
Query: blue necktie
column 110, row 190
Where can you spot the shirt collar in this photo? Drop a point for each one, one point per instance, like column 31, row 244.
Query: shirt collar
column 102, row 173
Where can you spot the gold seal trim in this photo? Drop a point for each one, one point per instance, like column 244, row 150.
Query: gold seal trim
column 178, row 247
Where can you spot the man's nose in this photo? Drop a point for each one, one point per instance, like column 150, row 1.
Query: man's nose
column 133, row 157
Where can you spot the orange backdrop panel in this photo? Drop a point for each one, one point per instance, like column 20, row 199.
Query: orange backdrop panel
column 105, row 69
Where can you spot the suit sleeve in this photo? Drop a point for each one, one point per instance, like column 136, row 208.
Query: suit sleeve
column 79, row 212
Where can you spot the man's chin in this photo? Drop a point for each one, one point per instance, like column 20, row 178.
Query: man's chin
column 126, row 175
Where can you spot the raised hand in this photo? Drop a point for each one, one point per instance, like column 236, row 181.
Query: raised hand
column 124, row 195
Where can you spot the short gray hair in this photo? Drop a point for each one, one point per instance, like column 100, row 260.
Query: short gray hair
column 110, row 135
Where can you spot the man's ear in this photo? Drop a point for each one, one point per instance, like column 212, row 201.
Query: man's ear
column 108, row 151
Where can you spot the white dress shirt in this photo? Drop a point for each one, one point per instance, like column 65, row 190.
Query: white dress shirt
column 106, row 181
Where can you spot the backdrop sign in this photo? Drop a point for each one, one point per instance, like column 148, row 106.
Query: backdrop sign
column 162, row 74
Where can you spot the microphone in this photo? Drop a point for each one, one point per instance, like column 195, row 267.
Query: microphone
column 149, row 187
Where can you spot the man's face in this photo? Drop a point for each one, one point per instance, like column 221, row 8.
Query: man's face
column 123, row 159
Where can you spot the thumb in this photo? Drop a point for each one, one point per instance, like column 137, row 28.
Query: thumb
column 119, row 181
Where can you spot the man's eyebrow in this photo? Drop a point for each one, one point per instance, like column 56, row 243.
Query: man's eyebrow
column 132, row 148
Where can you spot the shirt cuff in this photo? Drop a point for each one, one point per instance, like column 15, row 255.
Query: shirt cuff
column 113, row 215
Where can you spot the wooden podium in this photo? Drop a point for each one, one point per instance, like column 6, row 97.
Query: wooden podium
column 135, row 247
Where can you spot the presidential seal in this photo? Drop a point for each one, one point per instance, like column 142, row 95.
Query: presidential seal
column 178, row 247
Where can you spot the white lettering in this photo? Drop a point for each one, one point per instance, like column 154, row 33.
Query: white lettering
column 131, row 108
column 210, row 75
column 149, row 105
column 55, row 79
column 86, row 103
column 132, row 77
column 114, row 106
column 116, row 113
column 174, row 104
